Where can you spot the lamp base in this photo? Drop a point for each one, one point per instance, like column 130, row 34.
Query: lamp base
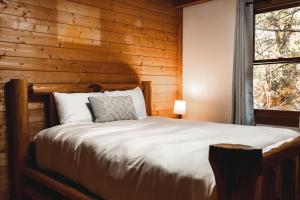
column 179, row 116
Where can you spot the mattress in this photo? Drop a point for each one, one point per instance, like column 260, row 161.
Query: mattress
column 150, row 159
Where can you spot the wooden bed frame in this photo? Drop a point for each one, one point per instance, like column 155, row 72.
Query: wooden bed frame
column 241, row 172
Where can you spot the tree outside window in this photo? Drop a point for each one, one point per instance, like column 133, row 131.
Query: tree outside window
column 277, row 60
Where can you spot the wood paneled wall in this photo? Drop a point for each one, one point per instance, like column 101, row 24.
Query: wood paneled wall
column 185, row 3
column 78, row 41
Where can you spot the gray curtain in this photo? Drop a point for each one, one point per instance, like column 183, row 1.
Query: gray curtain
column 243, row 112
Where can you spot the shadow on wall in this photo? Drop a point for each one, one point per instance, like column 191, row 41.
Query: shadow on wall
column 52, row 44
column 43, row 44
column 97, row 54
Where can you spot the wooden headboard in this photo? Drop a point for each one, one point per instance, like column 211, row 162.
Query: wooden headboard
column 47, row 90
column 19, row 93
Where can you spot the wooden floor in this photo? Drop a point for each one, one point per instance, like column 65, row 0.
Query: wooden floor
column 78, row 41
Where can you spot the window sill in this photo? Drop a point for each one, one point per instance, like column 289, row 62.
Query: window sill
column 277, row 118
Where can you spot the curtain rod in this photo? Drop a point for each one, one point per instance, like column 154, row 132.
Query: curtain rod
column 257, row 1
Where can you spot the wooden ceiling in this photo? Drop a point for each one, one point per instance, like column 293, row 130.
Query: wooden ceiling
column 275, row 4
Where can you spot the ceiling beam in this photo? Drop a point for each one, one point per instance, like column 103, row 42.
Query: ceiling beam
column 185, row 3
column 267, row 6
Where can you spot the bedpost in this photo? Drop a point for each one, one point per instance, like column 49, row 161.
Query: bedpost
column 236, row 168
column 289, row 179
column 52, row 112
column 18, row 133
column 147, row 91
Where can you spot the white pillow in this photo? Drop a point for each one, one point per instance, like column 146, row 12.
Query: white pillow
column 74, row 107
column 137, row 98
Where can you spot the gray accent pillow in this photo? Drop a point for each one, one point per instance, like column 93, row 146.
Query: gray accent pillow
column 107, row 109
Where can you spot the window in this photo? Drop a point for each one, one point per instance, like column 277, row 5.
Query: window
column 277, row 61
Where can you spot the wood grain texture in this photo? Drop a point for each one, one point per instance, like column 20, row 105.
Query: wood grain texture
column 180, row 50
column 267, row 6
column 19, row 106
column 185, row 3
column 269, row 185
column 83, row 41
column 281, row 154
column 298, row 177
column 289, row 180
column 17, row 95
column 236, row 168
column 66, row 191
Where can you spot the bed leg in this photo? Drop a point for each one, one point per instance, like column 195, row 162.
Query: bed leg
column 289, row 180
column 236, row 169
column 269, row 185
column 298, row 177
column 18, row 133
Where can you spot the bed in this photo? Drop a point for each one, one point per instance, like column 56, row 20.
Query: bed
column 153, row 158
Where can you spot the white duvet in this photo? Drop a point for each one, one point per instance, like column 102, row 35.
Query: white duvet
column 150, row 159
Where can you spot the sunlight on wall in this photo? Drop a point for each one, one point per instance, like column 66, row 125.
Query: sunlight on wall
column 194, row 89
column 208, row 44
column 83, row 25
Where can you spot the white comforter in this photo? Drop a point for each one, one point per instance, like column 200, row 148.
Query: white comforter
column 150, row 159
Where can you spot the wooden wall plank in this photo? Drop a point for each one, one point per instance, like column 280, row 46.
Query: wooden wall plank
column 180, row 51
column 69, row 77
column 140, row 4
column 91, row 11
column 46, row 52
column 44, row 26
column 32, row 38
column 185, row 3
column 144, row 13
column 267, row 6
column 34, row 64
column 42, row 13
column 83, row 41
column 158, row 7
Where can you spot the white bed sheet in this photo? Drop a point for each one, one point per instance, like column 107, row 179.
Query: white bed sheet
column 150, row 159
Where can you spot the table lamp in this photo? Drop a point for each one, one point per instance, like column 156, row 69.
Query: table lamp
column 179, row 108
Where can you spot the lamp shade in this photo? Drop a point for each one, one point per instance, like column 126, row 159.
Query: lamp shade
column 179, row 107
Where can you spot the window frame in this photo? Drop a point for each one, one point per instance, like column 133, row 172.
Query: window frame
column 275, row 117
